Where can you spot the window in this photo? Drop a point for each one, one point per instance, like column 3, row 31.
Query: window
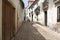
column 58, row 14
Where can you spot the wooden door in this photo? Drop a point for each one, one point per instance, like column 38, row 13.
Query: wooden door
column 12, row 22
column 8, row 21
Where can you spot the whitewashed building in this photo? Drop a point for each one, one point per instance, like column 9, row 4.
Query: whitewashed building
column 49, row 13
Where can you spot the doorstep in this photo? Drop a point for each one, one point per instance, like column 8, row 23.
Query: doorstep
column 47, row 33
column 57, row 25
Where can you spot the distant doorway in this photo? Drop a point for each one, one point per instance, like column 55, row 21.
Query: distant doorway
column 32, row 16
column 45, row 18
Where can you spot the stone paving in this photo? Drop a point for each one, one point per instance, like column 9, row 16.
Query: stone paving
column 46, row 32
column 28, row 32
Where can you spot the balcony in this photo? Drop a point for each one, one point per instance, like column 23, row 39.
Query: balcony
column 45, row 4
column 56, row 1
column 37, row 10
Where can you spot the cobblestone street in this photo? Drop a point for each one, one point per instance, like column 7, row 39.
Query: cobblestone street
column 28, row 32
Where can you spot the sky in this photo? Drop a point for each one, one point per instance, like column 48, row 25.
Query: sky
column 25, row 2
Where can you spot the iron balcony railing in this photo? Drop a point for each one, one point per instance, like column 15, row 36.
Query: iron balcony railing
column 45, row 4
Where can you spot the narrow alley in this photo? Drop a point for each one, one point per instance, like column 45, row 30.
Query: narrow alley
column 29, row 19
column 28, row 32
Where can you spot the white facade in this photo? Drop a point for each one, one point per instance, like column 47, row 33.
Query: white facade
column 41, row 15
column 27, row 13
column 51, row 13
column 34, row 14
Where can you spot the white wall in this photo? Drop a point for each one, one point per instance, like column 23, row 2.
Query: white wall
column 34, row 14
column 52, row 14
column 41, row 17
column 34, row 17
column 0, row 19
